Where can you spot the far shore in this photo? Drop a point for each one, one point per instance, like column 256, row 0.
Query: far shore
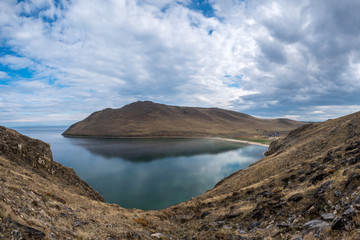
column 184, row 137
column 241, row 141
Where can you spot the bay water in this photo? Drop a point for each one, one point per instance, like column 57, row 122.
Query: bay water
column 147, row 173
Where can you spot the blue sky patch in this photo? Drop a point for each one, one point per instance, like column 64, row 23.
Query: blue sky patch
column 203, row 6
column 21, row 73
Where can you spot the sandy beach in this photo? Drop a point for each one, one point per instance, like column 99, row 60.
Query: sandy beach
column 241, row 141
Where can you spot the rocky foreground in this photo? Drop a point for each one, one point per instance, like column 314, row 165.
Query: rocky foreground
column 307, row 187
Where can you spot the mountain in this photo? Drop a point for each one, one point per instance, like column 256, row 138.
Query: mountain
column 307, row 187
column 148, row 119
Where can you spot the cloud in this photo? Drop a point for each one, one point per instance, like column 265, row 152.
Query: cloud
column 263, row 57
column 3, row 75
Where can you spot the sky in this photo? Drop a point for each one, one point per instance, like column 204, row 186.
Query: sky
column 61, row 60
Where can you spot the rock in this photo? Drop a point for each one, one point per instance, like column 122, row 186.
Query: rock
column 318, row 178
column 338, row 224
column 52, row 236
column 36, row 155
column 314, row 223
column 20, row 231
column 158, row 235
column 257, row 214
column 354, row 160
column 353, row 180
column 323, row 188
column 337, row 193
column 204, row 214
column 296, row 197
column 283, row 225
column 111, row 238
column 356, row 200
column 233, row 215
column 349, row 213
column 254, row 225
column 77, row 223
column 315, row 227
column 314, row 165
column 311, row 212
column 328, row 216
column 327, row 159
column 345, row 221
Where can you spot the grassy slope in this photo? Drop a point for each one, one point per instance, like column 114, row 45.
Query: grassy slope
column 303, row 163
column 146, row 119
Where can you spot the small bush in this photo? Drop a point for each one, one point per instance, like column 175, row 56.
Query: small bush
column 143, row 222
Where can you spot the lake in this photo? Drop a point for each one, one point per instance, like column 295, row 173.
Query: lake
column 147, row 173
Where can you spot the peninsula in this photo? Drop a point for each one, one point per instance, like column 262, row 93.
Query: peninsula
column 148, row 119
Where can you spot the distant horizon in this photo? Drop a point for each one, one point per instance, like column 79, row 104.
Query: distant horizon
column 61, row 60
column 64, row 124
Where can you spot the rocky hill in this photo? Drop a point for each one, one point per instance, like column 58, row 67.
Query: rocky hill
column 148, row 119
column 307, row 187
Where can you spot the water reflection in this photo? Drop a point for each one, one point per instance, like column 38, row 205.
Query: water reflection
column 148, row 149
column 123, row 171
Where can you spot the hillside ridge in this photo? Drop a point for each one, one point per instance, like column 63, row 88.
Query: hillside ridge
column 307, row 187
column 148, row 119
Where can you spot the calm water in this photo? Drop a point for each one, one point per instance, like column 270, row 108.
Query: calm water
column 147, row 173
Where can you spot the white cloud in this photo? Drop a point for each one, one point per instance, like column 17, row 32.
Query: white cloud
column 261, row 55
column 3, row 75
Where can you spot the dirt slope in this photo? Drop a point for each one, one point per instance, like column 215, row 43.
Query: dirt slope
column 148, row 119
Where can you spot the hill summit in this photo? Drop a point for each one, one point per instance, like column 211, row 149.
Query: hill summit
column 148, row 119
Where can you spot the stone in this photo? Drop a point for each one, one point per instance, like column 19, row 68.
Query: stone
column 354, row 160
column 52, row 236
column 338, row 224
column 283, row 225
column 312, row 212
column 323, row 188
column 111, row 238
column 21, row 231
column 349, row 213
column 314, row 223
column 158, row 235
column 315, row 227
column 296, row 197
column 356, row 200
column 337, row 193
column 254, row 225
column 77, row 223
column 328, row 216
column 353, row 178
column 204, row 214
column 233, row 215
column 318, row 177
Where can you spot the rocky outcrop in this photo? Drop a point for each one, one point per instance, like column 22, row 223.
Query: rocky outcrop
column 36, row 155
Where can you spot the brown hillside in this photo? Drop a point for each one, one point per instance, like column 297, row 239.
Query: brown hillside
column 148, row 119
column 307, row 187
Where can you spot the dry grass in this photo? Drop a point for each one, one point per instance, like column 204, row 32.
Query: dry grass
column 54, row 206
column 146, row 119
column 4, row 213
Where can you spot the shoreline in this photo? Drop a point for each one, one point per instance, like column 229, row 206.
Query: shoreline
column 172, row 137
column 241, row 141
